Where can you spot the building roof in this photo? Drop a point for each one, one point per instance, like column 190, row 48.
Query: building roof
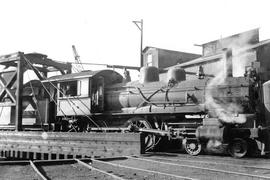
column 246, row 35
column 148, row 47
column 214, row 57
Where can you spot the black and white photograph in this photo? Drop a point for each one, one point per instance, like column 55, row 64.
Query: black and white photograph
column 134, row 90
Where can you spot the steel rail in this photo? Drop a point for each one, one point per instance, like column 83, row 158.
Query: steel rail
column 209, row 162
column 23, row 162
column 99, row 170
column 55, row 161
column 144, row 170
column 191, row 157
column 37, row 171
column 71, row 161
column 203, row 168
column 218, row 158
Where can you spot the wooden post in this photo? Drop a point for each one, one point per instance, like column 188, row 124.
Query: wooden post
column 19, row 91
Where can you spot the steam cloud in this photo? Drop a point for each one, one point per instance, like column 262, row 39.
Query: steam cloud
column 227, row 111
column 223, row 110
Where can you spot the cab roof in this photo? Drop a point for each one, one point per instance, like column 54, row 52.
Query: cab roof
column 109, row 76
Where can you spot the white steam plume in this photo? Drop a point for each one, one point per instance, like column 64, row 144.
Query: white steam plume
column 227, row 111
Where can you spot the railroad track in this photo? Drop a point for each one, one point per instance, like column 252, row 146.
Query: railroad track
column 204, row 171
column 255, row 163
column 150, row 166
column 55, row 169
column 212, row 158
column 84, row 169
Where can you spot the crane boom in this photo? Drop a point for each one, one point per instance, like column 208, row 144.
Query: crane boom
column 78, row 65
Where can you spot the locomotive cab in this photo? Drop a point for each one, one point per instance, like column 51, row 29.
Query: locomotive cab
column 82, row 94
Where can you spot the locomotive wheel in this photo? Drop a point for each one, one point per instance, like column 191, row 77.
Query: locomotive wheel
column 192, row 147
column 238, row 148
column 139, row 122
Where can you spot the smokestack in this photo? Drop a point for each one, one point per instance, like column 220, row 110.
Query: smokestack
column 228, row 63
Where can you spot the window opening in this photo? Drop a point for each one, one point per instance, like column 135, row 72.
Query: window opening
column 69, row 88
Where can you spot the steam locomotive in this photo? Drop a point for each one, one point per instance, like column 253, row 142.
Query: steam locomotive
column 175, row 108
column 211, row 113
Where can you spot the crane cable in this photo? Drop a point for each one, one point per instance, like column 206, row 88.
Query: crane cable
column 31, row 66
column 1, row 111
column 52, row 98
column 85, row 115
column 73, row 104
column 35, row 101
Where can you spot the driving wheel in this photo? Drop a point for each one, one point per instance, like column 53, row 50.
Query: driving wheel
column 238, row 148
column 192, row 147
column 138, row 123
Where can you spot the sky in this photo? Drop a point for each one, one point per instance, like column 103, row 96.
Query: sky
column 103, row 32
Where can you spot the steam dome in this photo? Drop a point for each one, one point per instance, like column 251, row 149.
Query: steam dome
column 149, row 74
column 176, row 74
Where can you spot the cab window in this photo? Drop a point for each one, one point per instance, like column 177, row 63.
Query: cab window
column 69, row 88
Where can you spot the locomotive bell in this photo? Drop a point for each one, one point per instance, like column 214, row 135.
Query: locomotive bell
column 149, row 74
column 176, row 74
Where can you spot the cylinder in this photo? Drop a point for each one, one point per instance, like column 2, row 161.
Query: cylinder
column 210, row 132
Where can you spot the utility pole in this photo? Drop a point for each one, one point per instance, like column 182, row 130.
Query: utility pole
column 139, row 24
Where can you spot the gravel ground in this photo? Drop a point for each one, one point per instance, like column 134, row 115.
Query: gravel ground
column 71, row 172
column 243, row 167
column 17, row 172
column 181, row 171
column 130, row 173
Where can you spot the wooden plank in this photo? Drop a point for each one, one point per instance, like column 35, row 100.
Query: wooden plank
column 65, row 147
column 7, row 105
column 73, row 136
column 9, row 57
column 82, row 152
column 74, row 144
